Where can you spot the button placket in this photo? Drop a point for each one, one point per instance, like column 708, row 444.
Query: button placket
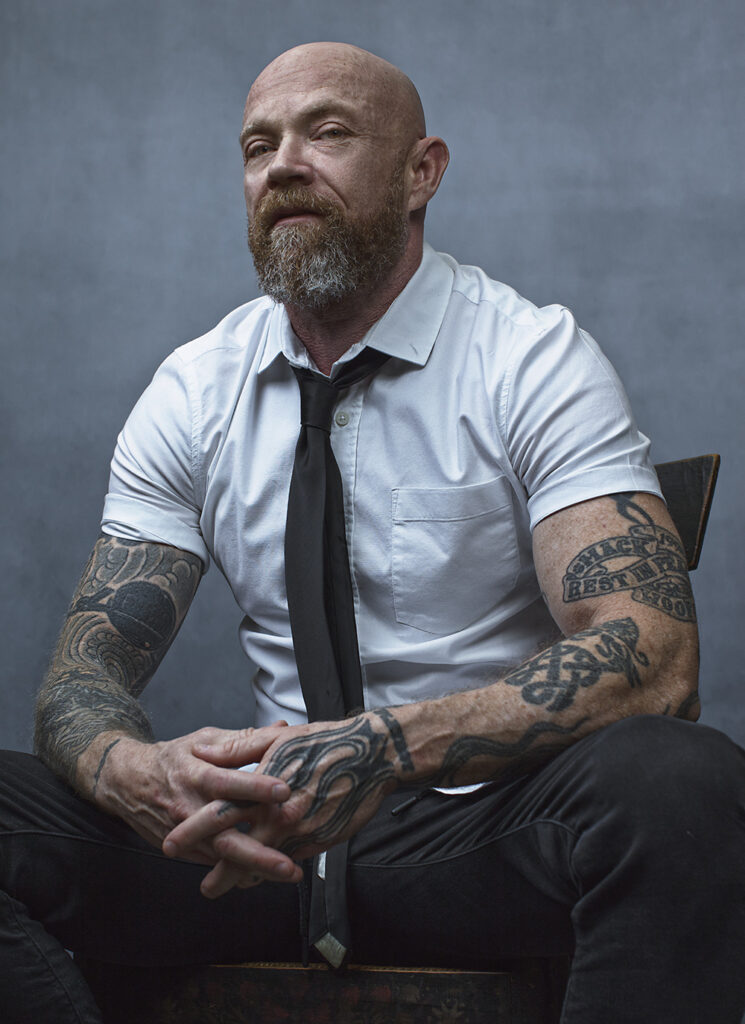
column 344, row 436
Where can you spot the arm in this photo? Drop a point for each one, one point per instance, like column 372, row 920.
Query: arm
column 90, row 728
column 613, row 574
column 128, row 607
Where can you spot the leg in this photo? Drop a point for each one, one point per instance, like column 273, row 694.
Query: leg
column 73, row 878
column 660, row 857
column 637, row 832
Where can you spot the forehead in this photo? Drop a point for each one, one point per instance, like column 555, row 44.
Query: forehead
column 291, row 88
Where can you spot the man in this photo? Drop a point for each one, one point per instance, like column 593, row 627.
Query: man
column 494, row 487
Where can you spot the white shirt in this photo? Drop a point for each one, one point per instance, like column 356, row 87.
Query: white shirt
column 491, row 415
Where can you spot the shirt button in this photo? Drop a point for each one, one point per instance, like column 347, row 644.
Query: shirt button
column 342, row 418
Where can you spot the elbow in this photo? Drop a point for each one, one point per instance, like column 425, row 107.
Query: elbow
column 682, row 698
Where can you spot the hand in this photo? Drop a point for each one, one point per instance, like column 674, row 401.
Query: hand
column 337, row 772
column 154, row 787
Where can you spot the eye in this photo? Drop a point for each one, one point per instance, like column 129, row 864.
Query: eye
column 255, row 149
column 332, row 132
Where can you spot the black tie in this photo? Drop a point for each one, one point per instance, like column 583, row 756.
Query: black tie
column 321, row 606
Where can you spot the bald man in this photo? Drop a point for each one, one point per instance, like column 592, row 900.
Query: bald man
column 498, row 502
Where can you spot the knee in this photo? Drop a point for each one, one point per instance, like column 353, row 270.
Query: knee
column 667, row 795
column 653, row 762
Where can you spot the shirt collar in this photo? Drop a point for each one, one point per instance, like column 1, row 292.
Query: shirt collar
column 407, row 330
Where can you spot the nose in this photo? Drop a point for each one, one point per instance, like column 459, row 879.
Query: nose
column 289, row 163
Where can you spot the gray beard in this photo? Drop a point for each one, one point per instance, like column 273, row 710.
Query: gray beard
column 313, row 266
column 307, row 275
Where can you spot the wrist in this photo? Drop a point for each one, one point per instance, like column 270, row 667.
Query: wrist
column 108, row 762
column 398, row 749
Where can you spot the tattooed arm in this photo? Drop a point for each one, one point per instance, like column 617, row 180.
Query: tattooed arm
column 614, row 576
column 128, row 606
column 613, row 573
column 90, row 728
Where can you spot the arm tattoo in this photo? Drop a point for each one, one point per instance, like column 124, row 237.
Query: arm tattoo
column 522, row 752
column 552, row 680
column 101, row 763
column 688, row 709
column 397, row 735
column 553, row 677
column 127, row 609
column 356, row 758
column 649, row 561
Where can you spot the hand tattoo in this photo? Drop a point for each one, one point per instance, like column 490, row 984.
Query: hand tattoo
column 351, row 755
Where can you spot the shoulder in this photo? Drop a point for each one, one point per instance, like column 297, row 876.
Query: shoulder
column 237, row 335
column 511, row 336
column 195, row 388
column 505, row 326
column 476, row 287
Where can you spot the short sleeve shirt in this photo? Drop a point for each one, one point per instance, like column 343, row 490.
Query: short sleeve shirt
column 490, row 415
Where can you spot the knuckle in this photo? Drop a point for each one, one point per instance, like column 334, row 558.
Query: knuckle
column 231, row 746
column 238, row 740
column 207, row 734
column 294, row 812
column 208, row 779
column 224, row 844
column 180, row 810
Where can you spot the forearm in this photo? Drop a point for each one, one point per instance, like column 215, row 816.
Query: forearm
column 630, row 648
column 338, row 772
column 609, row 671
column 128, row 607
column 80, row 714
column 613, row 573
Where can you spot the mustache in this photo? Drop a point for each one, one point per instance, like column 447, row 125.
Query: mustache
column 295, row 199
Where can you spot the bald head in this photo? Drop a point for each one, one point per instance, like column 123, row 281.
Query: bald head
column 363, row 77
column 333, row 135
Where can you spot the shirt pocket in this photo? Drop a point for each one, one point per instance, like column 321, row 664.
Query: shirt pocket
column 454, row 553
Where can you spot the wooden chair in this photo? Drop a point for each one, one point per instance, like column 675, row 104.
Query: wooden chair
column 522, row 991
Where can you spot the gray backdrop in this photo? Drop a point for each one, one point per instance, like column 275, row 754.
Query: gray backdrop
column 597, row 161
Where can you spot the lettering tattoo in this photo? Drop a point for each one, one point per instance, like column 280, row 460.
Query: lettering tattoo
column 554, row 677
column 129, row 604
column 649, row 562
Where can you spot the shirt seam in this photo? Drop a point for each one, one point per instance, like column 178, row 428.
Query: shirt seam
column 197, row 474
column 505, row 388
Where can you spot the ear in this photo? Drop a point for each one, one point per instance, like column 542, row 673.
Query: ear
column 427, row 162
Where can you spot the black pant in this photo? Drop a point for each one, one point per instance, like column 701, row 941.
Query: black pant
column 628, row 848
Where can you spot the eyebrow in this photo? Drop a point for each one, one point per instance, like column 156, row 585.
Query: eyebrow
column 320, row 109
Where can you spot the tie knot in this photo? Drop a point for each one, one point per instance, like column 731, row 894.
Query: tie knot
column 317, row 399
column 318, row 394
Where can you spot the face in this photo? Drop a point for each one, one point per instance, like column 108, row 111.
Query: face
column 324, row 181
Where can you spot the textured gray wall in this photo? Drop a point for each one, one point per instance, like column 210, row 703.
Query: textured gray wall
column 598, row 158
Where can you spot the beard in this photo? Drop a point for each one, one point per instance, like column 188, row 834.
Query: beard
column 314, row 265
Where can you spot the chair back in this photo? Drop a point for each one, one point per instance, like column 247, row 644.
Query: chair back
column 688, row 488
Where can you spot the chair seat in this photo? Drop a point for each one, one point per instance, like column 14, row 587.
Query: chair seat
column 524, row 992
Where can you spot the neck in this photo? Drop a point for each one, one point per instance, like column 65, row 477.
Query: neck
column 327, row 333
